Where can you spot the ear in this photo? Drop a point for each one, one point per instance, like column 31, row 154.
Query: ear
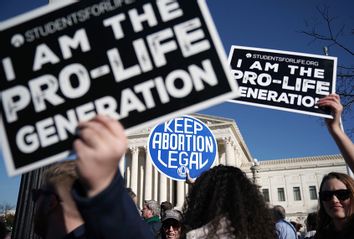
column 53, row 202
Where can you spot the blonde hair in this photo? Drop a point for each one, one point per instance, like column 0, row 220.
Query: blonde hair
column 63, row 173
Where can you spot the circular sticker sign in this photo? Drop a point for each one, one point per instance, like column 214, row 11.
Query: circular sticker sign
column 181, row 145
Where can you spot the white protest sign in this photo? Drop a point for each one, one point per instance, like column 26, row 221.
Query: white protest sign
column 283, row 80
column 138, row 61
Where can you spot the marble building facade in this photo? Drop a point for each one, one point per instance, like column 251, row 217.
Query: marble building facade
column 292, row 183
column 148, row 183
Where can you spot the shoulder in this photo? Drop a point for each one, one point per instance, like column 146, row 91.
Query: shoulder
column 281, row 224
column 155, row 226
column 223, row 231
column 285, row 229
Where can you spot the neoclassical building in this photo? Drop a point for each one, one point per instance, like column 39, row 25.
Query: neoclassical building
column 292, row 183
column 148, row 183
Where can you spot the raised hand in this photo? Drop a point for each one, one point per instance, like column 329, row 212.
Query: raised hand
column 102, row 143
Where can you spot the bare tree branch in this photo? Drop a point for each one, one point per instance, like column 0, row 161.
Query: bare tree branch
column 328, row 31
column 344, row 75
column 346, row 67
column 330, row 37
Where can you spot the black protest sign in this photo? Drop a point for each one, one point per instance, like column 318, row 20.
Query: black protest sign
column 140, row 62
column 283, row 80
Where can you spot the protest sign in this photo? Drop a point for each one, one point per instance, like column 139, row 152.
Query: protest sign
column 181, row 145
column 140, row 62
column 283, row 80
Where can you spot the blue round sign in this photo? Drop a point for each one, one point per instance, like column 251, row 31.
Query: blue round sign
column 181, row 145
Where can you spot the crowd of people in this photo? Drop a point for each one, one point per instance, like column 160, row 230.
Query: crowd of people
column 86, row 197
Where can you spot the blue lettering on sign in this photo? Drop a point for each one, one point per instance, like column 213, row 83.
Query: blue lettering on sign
column 180, row 145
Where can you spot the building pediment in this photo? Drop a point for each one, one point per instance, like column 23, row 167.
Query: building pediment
column 210, row 121
column 222, row 128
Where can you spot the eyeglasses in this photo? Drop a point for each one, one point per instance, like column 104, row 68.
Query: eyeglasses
column 36, row 193
column 174, row 224
column 341, row 194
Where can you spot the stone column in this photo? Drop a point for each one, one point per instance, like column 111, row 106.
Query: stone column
column 222, row 157
column 134, row 169
column 272, row 191
column 286, row 188
column 163, row 188
column 303, row 196
column 180, row 194
column 238, row 156
column 121, row 165
column 170, row 190
column 148, row 176
column 156, row 184
column 217, row 160
column 229, row 152
column 186, row 189
column 127, row 176
column 140, row 193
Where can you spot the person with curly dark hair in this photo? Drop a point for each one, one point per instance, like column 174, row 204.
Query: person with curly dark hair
column 336, row 207
column 224, row 203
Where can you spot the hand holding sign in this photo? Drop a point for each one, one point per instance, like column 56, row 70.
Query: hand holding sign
column 332, row 102
column 335, row 128
column 101, row 145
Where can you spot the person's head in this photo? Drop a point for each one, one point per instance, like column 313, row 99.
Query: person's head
column 311, row 221
column 336, row 199
column 172, row 227
column 226, row 192
column 278, row 213
column 53, row 199
column 165, row 206
column 150, row 209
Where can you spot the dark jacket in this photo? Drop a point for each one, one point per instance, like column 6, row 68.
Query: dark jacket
column 78, row 233
column 155, row 226
column 111, row 214
column 330, row 233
